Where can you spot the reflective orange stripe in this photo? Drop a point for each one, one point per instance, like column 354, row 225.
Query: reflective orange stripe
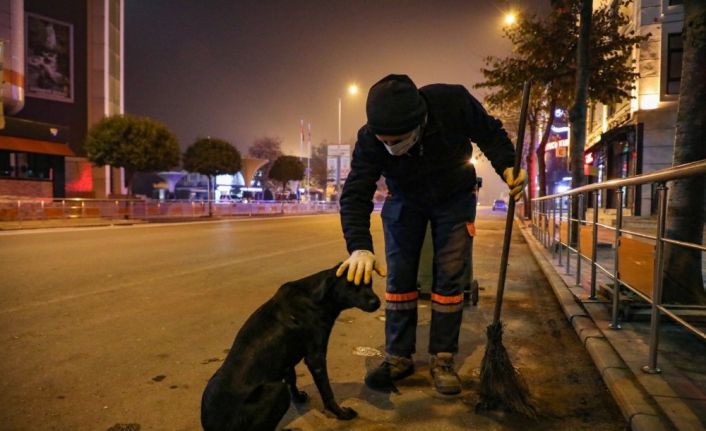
column 400, row 297
column 471, row 228
column 446, row 299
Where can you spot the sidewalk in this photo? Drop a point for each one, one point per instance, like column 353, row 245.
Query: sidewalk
column 563, row 381
column 672, row 399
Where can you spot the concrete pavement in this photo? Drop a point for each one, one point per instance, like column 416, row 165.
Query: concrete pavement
column 672, row 399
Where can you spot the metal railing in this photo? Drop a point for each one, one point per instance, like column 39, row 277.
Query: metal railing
column 553, row 224
column 19, row 210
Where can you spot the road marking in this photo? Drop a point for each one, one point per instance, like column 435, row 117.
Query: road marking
column 173, row 274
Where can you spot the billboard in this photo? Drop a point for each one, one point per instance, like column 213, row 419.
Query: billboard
column 49, row 59
column 338, row 165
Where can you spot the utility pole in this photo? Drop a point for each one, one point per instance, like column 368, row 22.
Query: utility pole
column 308, row 167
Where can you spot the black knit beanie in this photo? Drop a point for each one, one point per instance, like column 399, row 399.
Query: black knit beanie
column 394, row 106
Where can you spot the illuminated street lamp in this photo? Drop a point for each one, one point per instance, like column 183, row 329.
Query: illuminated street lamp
column 352, row 90
column 510, row 18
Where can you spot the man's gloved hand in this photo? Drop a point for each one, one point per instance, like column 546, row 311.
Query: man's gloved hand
column 361, row 265
column 516, row 184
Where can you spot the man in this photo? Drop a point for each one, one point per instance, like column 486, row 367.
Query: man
column 420, row 140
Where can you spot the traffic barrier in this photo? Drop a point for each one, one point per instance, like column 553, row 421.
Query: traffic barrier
column 45, row 209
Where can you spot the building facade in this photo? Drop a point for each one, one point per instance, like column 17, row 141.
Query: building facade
column 62, row 70
column 637, row 136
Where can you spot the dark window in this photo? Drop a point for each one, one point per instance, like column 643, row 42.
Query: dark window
column 25, row 165
column 674, row 57
column 7, row 165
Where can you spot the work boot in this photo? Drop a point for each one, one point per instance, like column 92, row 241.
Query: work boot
column 442, row 370
column 393, row 368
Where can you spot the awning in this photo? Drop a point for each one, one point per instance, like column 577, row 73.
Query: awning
column 12, row 143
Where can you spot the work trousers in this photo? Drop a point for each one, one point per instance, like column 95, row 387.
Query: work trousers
column 404, row 226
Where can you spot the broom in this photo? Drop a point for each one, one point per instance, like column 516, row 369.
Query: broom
column 501, row 385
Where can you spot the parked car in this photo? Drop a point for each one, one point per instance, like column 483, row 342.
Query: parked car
column 499, row 205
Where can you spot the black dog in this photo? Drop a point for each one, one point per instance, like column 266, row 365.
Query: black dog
column 251, row 390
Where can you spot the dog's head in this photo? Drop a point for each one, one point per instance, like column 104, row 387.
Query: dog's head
column 344, row 294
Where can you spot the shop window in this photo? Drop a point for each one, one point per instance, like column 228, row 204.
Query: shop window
column 25, row 165
column 674, row 59
column 7, row 164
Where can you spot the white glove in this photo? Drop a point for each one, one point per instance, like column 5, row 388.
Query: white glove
column 361, row 263
column 516, row 184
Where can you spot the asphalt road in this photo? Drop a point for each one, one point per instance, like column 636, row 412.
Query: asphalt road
column 120, row 328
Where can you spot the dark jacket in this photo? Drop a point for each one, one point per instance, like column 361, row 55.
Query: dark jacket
column 435, row 169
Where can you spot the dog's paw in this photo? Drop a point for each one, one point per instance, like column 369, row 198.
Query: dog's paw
column 300, row 397
column 346, row 414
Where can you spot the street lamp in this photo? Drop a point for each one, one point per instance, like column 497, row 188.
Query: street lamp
column 352, row 90
column 510, row 18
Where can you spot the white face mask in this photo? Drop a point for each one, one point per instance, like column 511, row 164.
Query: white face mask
column 402, row 147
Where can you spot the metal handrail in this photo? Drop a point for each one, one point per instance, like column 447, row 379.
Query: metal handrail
column 545, row 209
column 686, row 170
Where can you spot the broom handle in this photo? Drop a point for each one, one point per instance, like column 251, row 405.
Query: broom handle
column 511, row 205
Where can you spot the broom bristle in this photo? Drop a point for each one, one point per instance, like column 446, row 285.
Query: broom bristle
column 501, row 385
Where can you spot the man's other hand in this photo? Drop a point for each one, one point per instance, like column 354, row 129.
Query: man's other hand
column 361, row 265
column 516, row 184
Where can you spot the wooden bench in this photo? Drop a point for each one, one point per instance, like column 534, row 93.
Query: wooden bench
column 586, row 245
column 636, row 264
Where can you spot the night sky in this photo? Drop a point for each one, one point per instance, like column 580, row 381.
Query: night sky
column 239, row 70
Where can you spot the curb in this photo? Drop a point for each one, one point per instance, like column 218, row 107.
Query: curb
column 5, row 227
column 80, row 223
column 637, row 407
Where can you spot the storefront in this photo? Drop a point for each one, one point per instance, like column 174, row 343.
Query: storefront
column 32, row 159
column 616, row 155
column 557, row 165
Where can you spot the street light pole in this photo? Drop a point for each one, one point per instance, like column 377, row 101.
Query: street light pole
column 352, row 89
column 338, row 157
column 308, row 167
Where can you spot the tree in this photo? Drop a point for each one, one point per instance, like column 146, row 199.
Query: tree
column 545, row 51
column 577, row 113
column 319, row 165
column 683, row 280
column 137, row 144
column 266, row 148
column 212, row 157
column 287, row 168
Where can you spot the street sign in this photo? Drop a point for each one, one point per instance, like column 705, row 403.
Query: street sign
column 338, row 165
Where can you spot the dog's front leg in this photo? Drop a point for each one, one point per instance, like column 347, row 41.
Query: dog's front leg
column 299, row 397
column 317, row 367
